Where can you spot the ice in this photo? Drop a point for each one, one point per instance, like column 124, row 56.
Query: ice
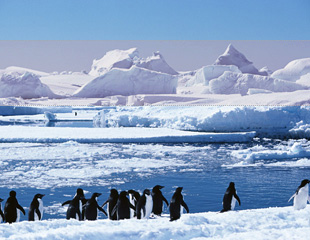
column 266, row 121
column 233, row 83
column 233, row 57
column 128, row 82
column 19, row 110
column 25, row 85
column 294, row 70
column 269, row 223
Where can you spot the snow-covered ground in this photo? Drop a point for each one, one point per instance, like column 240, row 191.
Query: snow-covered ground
column 269, row 223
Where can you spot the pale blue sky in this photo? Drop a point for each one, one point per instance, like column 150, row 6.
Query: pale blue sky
column 154, row 19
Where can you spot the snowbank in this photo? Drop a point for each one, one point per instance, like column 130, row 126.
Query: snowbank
column 232, row 83
column 116, row 135
column 233, row 57
column 294, row 70
column 205, row 74
column 269, row 223
column 128, row 82
column 25, row 85
column 266, row 121
column 125, row 59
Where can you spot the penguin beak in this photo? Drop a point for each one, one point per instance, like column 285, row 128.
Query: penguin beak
column 161, row 187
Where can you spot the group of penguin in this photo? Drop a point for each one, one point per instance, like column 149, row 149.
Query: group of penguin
column 130, row 204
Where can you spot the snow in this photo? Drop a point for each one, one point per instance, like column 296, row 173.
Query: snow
column 128, row 82
column 25, row 85
column 294, row 70
column 266, row 121
column 233, row 57
column 268, row 223
column 115, row 135
column 232, row 83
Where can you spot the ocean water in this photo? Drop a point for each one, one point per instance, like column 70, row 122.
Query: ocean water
column 57, row 170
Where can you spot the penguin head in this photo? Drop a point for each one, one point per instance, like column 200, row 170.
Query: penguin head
column 95, row 195
column 179, row 190
column 1, row 200
column 123, row 194
column 39, row 196
column 232, row 185
column 12, row 194
column 157, row 188
column 304, row 182
column 146, row 192
column 113, row 192
column 80, row 193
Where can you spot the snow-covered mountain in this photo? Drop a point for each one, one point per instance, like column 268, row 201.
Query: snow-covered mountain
column 125, row 59
column 233, row 57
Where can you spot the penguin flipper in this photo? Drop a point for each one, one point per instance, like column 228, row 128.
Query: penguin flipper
column 66, row 202
column 102, row 210
column 114, row 210
column 294, row 195
column 238, row 199
column 185, row 206
column 21, row 209
column 2, row 215
column 105, row 203
column 132, row 206
column 166, row 201
column 144, row 211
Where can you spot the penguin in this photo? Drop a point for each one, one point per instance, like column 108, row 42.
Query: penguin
column 176, row 203
column 112, row 200
column 122, row 207
column 145, row 205
column 158, row 199
column 11, row 213
column 230, row 198
column 75, row 205
column 134, row 197
column 91, row 208
column 36, row 208
column 1, row 213
column 301, row 196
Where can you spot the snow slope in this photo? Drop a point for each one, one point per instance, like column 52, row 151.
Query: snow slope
column 269, row 223
column 128, row 82
column 233, row 57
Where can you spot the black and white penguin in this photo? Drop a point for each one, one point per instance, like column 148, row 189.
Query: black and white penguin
column 145, row 205
column 36, row 208
column 301, row 196
column 1, row 213
column 134, row 197
column 122, row 207
column 158, row 199
column 112, row 201
column 175, row 204
column 75, row 205
column 11, row 209
column 91, row 207
column 230, row 198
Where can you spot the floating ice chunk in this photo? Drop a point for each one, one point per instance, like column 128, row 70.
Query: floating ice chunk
column 50, row 116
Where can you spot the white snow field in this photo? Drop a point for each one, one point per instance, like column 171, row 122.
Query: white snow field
column 122, row 77
column 269, row 223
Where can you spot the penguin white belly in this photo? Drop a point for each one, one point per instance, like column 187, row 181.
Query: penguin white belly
column 108, row 207
column 18, row 215
column 80, row 207
column 233, row 203
column 300, row 200
column 132, row 201
column 36, row 217
column 148, row 206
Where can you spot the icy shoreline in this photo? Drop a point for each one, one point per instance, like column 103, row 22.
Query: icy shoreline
column 268, row 223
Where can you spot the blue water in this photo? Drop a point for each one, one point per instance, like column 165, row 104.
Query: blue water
column 257, row 187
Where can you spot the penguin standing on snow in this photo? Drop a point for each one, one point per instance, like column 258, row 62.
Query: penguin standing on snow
column 11, row 209
column 36, row 208
column 158, row 199
column 122, row 207
column 145, row 205
column 301, row 196
column 112, row 201
column 230, row 197
column 91, row 207
column 75, row 205
column 134, row 197
column 1, row 213
column 176, row 203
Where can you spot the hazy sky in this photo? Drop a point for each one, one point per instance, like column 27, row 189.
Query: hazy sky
column 183, row 55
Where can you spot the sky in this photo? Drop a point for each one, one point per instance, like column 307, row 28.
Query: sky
column 57, row 35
